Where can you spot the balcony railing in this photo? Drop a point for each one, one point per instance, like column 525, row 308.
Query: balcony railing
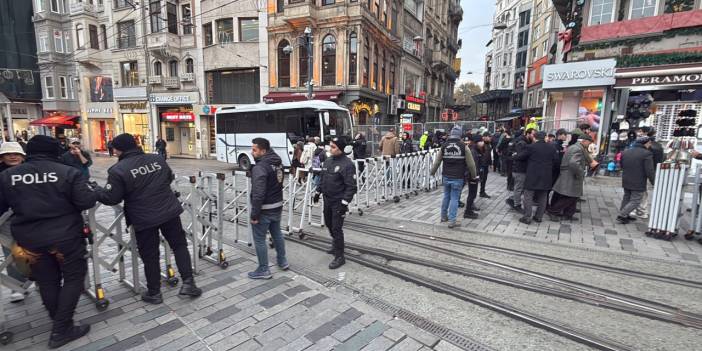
column 187, row 77
column 440, row 60
column 155, row 80
column 126, row 42
column 171, row 82
column 80, row 7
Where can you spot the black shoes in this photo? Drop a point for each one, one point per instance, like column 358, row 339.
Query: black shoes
column 510, row 203
column 471, row 215
column 554, row 218
column 330, row 251
column 485, row 195
column 525, row 220
column 461, row 204
column 518, row 208
column 475, row 209
column 154, row 298
column 537, row 220
column 571, row 218
column 623, row 220
column 338, row 262
column 73, row 333
column 631, row 218
column 188, row 288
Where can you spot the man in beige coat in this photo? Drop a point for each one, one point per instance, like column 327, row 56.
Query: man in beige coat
column 389, row 144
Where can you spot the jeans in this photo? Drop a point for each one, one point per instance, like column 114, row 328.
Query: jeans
column 452, row 193
column 632, row 200
column 269, row 222
column 519, row 179
column 148, row 244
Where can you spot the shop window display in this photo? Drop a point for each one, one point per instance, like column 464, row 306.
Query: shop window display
column 569, row 109
column 137, row 124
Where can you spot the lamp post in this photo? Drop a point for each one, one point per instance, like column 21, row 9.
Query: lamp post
column 307, row 38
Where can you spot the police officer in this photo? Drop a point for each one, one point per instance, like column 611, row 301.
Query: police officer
column 338, row 185
column 143, row 182
column 47, row 198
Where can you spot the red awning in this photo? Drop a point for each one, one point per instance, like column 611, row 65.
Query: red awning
column 300, row 96
column 55, row 121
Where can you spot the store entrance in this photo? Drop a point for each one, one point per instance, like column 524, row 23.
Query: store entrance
column 187, row 141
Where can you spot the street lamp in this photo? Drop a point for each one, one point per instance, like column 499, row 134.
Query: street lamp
column 308, row 46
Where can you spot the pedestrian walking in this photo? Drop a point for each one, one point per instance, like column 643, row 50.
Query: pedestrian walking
column 637, row 167
column 505, row 157
column 161, row 147
column 338, row 186
column 458, row 161
column 11, row 154
column 484, row 146
column 658, row 157
column 110, row 150
column 560, row 145
column 77, row 157
column 540, row 159
column 308, row 152
column 406, row 147
column 471, row 210
column 360, row 152
column 267, row 206
column 424, row 141
column 143, row 182
column 47, row 198
column 296, row 162
column 569, row 186
column 575, row 134
column 494, row 140
column 519, row 169
column 389, row 144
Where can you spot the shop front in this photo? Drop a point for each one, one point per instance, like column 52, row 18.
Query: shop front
column 655, row 97
column 59, row 125
column 208, row 129
column 368, row 108
column 21, row 114
column 101, row 125
column 133, row 116
column 178, row 124
column 579, row 93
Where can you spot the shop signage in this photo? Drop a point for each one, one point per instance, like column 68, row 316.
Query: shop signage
column 171, row 99
column 140, row 105
column 99, row 110
column 178, row 116
column 18, row 111
column 579, row 74
column 671, row 79
column 209, row 109
column 414, row 99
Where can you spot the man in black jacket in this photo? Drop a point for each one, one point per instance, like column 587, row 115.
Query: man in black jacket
column 637, row 167
column 540, row 159
column 143, row 181
column 519, row 169
column 338, row 185
column 47, row 198
column 266, row 206
column 485, row 150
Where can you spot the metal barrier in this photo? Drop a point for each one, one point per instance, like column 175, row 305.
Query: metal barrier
column 466, row 126
column 665, row 201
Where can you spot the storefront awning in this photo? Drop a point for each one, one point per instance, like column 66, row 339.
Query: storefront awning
column 55, row 121
column 334, row 95
column 492, row 95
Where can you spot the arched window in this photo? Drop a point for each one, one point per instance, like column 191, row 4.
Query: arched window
column 283, row 64
column 329, row 60
column 353, row 59
column 80, row 38
column 189, row 66
column 366, row 62
column 157, row 68
column 376, row 82
column 173, row 68
column 304, row 66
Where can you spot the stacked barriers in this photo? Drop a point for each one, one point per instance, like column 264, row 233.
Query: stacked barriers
column 666, row 199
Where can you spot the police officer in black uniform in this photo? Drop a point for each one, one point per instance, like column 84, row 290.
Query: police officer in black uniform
column 143, row 182
column 47, row 198
column 338, row 185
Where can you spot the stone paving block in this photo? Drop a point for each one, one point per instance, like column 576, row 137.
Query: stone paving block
column 248, row 345
column 446, row 346
column 127, row 330
column 689, row 257
column 178, row 344
column 276, row 332
column 264, row 324
column 347, row 331
column 126, row 344
column 364, row 337
column 273, row 300
column 151, row 315
column 393, row 334
column 265, row 287
column 239, row 326
column 230, row 342
column 197, row 346
column 296, row 345
column 308, row 322
column 295, row 290
column 313, row 300
column 223, row 313
column 167, row 338
column 324, row 344
column 96, row 345
column 423, row 337
column 379, row 344
column 407, row 344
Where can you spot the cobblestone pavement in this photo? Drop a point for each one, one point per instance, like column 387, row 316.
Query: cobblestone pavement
column 595, row 228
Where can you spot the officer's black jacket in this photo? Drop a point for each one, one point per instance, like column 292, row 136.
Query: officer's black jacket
column 266, row 185
column 143, row 182
column 338, row 179
column 47, row 198
column 360, row 149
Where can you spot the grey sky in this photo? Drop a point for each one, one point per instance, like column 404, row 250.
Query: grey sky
column 475, row 31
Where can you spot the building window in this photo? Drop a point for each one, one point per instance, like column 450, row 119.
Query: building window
column 329, row 60
column 303, row 69
column 187, row 15
column 207, row 32
column 58, row 42
column 130, row 74
column 43, row 45
column 225, row 30
column 366, row 63
column 283, row 65
column 80, row 40
column 248, row 29
column 643, row 8
column 54, row 6
column 383, row 88
column 49, row 87
column 375, row 69
column 173, row 68
column 103, row 32
column 392, row 75
column 63, row 87
column 67, row 42
column 39, row 5
column 328, row 2
column 189, row 66
column 155, row 15
column 601, row 11
column 94, row 40
column 353, row 59
column 158, row 70
column 172, row 13
column 122, row 3
column 70, row 87
column 126, row 35
column 280, row 4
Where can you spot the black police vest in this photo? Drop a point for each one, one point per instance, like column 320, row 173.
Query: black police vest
column 454, row 158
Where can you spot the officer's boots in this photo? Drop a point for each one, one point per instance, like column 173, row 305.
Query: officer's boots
column 338, row 262
column 189, row 288
column 152, row 297
column 74, row 332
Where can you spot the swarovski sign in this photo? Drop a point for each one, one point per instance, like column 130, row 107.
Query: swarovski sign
column 579, row 74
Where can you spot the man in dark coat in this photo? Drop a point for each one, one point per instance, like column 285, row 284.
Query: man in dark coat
column 637, row 167
column 540, row 159
column 519, row 169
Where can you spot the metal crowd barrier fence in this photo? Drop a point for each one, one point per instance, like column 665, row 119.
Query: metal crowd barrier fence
column 665, row 201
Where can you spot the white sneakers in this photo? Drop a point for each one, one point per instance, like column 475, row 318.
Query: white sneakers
column 16, row 297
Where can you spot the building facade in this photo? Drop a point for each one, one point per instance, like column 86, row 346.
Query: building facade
column 20, row 88
column 542, row 51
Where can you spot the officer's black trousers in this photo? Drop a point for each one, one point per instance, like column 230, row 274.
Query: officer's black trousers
column 472, row 193
column 334, row 220
column 148, row 244
column 484, row 170
column 60, row 274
